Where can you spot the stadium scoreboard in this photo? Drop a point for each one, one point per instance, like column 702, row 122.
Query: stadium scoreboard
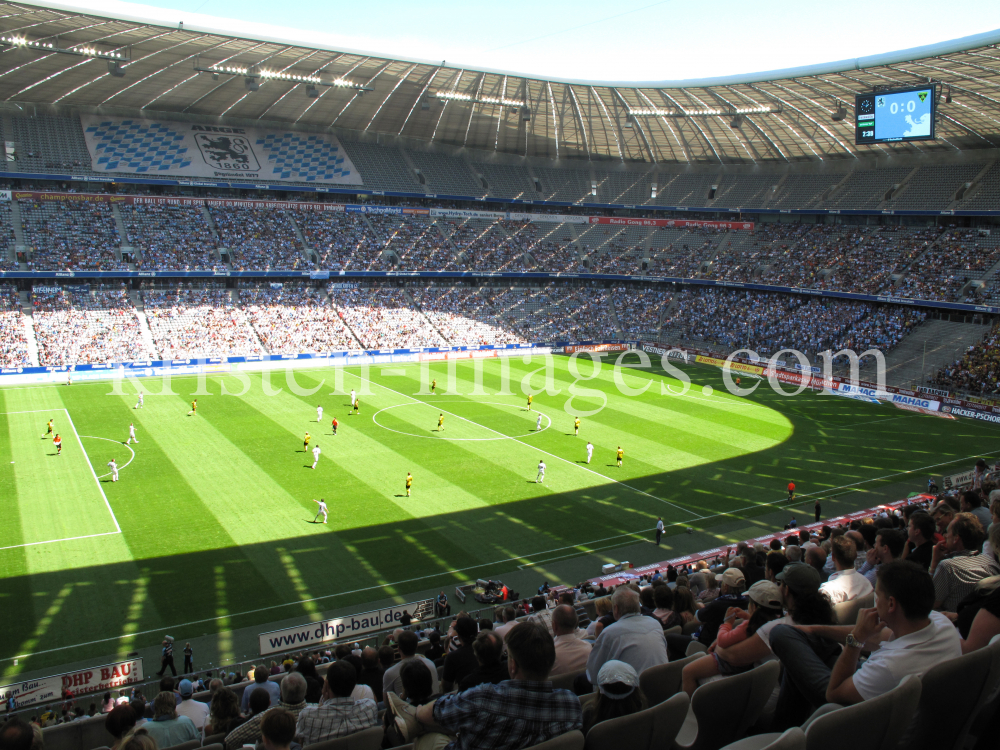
column 896, row 115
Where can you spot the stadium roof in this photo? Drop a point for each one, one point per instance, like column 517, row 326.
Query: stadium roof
column 66, row 57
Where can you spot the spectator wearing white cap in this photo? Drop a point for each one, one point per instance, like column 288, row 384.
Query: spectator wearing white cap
column 766, row 604
column 846, row 583
column 194, row 710
column 618, row 694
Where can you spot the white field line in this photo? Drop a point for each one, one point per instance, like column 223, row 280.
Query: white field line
column 528, row 445
column 382, row 586
column 93, row 473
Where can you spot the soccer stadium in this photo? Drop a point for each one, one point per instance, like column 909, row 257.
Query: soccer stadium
column 356, row 401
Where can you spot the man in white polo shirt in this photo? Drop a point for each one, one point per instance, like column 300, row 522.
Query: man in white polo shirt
column 903, row 633
column 845, row 584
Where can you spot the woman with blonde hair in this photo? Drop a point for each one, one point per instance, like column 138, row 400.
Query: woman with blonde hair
column 138, row 739
column 604, row 616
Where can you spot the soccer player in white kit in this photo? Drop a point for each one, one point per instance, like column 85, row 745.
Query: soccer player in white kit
column 138, row 404
column 540, row 479
column 590, row 450
column 538, row 423
column 322, row 510
column 131, row 435
column 354, row 396
column 114, row 470
column 316, row 452
column 319, row 414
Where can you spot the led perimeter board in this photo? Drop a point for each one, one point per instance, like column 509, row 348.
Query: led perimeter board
column 896, row 115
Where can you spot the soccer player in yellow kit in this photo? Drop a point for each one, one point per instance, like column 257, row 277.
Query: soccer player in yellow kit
column 621, row 455
column 409, row 483
column 50, row 429
column 434, row 385
column 530, row 399
column 194, row 407
column 305, row 442
column 357, row 406
column 576, row 426
column 440, row 422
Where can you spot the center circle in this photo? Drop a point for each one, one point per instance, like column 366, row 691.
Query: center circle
column 434, row 404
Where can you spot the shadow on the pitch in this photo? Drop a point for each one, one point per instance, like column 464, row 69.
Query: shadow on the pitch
column 399, row 495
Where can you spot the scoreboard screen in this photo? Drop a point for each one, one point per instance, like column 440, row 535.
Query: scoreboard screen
column 897, row 115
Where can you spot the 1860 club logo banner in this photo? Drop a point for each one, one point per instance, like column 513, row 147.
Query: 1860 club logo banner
column 166, row 148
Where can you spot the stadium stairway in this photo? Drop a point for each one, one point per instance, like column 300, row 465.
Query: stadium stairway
column 140, row 314
column 928, row 348
column 307, row 251
column 29, row 328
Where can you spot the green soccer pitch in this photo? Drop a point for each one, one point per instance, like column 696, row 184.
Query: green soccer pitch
column 211, row 526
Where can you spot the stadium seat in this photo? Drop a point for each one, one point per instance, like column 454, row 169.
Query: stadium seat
column 877, row 724
column 791, row 739
column 696, row 647
column 192, row 745
column 213, row 739
column 651, row 729
column 367, row 739
column 690, row 627
column 663, row 681
column 568, row 741
column 672, row 630
column 952, row 695
column 743, row 695
column 565, row 681
column 846, row 613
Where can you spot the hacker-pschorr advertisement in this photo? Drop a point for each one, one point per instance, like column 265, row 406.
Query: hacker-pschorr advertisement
column 165, row 148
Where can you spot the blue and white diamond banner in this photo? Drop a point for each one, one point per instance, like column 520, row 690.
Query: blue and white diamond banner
column 183, row 149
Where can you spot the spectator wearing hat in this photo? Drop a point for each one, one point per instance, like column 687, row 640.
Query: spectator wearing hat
column 902, row 632
column 845, row 584
column 805, row 605
column 194, row 710
column 632, row 638
column 765, row 606
column 618, row 694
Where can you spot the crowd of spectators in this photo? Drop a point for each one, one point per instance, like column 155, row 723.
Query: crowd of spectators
column 417, row 242
column 385, row 317
column 342, row 241
column 767, row 322
column 962, row 255
column 13, row 342
column 639, row 311
column 86, row 326
column 290, row 319
column 188, row 323
column 485, row 245
column 71, row 236
column 978, row 371
column 259, row 239
column 463, row 317
column 170, row 238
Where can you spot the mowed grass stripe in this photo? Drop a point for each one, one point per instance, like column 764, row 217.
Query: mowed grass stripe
column 654, row 457
column 460, row 462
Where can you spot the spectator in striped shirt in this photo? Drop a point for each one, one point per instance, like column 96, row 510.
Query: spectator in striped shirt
column 957, row 565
